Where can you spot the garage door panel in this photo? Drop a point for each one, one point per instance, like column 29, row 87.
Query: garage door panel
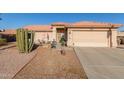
column 90, row 38
column 86, row 44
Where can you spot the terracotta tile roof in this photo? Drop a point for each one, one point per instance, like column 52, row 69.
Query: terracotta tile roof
column 87, row 24
column 93, row 24
column 38, row 27
column 9, row 32
column 59, row 23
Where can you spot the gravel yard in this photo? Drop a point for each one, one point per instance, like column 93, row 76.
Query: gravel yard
column 50, row 64
column 11, row 61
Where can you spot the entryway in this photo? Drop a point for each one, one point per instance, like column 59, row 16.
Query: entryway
column 61, row 32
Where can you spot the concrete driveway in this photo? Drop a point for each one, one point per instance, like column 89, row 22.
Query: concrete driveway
column 102, row 63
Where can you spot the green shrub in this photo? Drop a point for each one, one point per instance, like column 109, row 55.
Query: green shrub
column 62, row 41
column 3, row 40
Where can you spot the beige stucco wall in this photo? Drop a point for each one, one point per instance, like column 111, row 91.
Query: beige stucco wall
column 42, row 36
column 69, row 38
column 114, row 37
column 54, row 33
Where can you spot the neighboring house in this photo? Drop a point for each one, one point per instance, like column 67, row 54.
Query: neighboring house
column 9, row 34
column 86, row 34
column 120, row 38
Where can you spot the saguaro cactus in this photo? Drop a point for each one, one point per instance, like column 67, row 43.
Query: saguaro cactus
column 25, row 40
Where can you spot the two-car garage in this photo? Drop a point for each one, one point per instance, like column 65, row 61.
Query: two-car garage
column 92, row 34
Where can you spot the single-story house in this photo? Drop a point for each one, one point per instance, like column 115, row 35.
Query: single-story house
column 85, row 34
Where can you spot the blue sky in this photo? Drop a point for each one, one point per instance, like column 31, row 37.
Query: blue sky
column 17, row 20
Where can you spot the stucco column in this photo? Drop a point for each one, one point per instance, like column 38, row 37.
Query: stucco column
column 54, row 33
column 70, row 41
column 114, row 38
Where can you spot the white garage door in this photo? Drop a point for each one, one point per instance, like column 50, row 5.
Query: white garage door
column 90, row 38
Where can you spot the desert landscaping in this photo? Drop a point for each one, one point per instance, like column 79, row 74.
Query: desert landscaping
column 50, row 64
column 41, row 63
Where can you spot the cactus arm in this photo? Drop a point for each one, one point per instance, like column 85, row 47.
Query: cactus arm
column 17, row 38
column 26, row 41
column 23, row 42
column 32, row 41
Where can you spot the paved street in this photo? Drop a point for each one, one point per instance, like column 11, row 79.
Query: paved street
column 101, row 63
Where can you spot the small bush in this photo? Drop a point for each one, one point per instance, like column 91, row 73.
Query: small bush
column 62, row 41
column 3, row 41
